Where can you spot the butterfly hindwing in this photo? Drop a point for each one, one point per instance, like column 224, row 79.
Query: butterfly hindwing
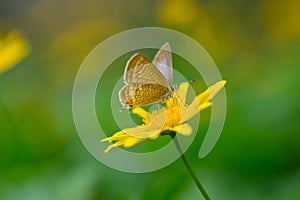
column 143, row 94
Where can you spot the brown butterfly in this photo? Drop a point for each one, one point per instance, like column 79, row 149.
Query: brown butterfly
column 148, row 82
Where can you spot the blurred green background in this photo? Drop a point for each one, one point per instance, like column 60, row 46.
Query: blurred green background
column 256, row 46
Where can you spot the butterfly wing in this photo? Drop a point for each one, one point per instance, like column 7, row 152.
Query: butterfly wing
column 140, row 70
column 145, row 83
column 143, row 94
column 163, row 62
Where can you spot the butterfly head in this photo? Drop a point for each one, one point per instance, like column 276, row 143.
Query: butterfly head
column 129, row 103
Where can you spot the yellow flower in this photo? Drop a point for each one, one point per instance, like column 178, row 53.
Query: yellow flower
column 13, row 48
column 172, row 117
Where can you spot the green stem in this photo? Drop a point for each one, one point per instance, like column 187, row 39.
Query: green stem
column 188, row 166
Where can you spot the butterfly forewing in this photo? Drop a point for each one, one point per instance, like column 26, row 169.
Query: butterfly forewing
column 163, row 62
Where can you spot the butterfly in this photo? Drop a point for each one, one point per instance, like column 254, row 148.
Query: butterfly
column 148, row 82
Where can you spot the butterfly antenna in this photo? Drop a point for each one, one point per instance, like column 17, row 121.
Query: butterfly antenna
column 176, row 85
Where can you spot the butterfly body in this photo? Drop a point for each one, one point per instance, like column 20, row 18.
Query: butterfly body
column 147, row 82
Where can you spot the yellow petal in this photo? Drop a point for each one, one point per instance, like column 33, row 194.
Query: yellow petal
column 208, row 94
column 131, row 141
column 122, row 139
column 143, row 114
column 155, row 136
column 184, row 129
column 214, row 89
column 202, row 101
column 109, row 148
column 112, row 146
column 182, row 92
column 190, row 111
column 116, row 136
column 204, row 105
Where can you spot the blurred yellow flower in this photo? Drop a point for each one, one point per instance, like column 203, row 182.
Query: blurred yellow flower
column 281, row 19
column 13, row 48
column 179, row 12
column 172, row 117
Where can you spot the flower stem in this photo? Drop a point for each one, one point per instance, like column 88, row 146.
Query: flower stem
column 188, row 166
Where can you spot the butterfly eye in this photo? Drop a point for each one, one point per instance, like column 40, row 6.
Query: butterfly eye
column 130, row 103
